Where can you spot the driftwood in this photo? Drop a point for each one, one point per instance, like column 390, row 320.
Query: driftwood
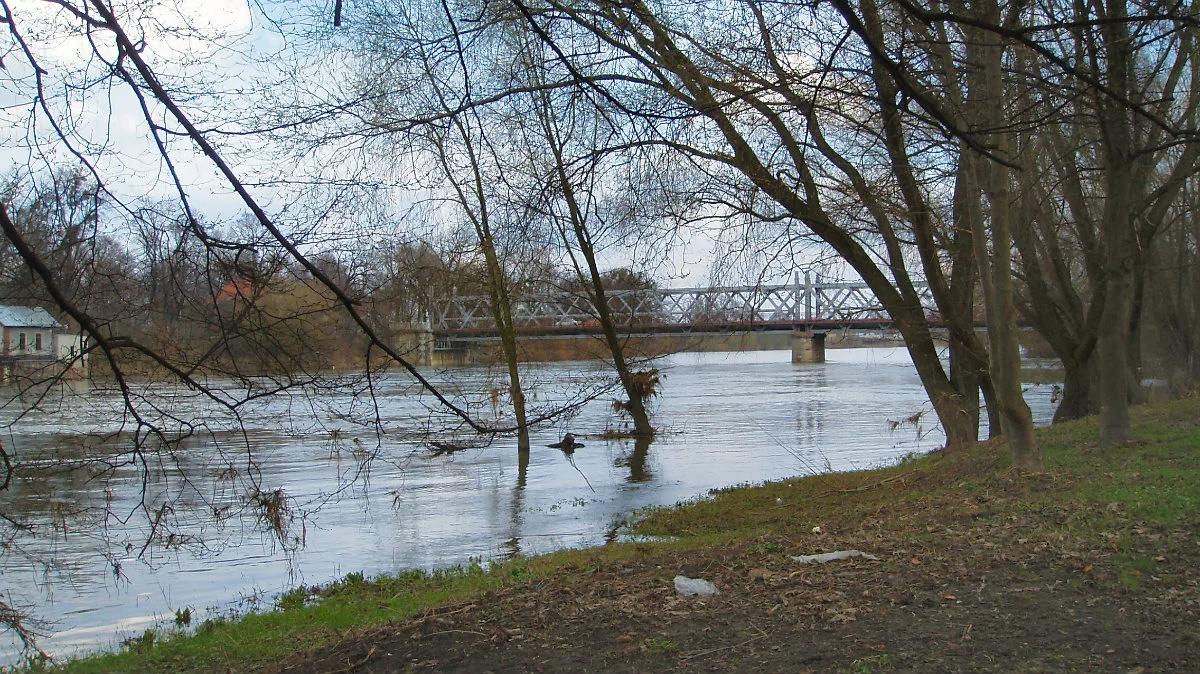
column 568, row 444
column 437, row 448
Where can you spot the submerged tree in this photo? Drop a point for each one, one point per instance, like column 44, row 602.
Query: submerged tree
column 571, row 197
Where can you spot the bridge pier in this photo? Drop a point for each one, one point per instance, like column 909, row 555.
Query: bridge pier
column 416, row 341
column 808, row 346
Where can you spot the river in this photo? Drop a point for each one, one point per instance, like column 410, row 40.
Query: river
column 726, row 419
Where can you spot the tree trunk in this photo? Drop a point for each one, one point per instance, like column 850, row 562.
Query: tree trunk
column 1076, row 401
column 1136, row 322
column 497, row 283
column 635, row 405
column 1112, row 352
column 892, row 285
column 1193, row 325
column 953, row 410
column 502, row 314
column 996, row 270
column 1120, row 245
column 965, row 377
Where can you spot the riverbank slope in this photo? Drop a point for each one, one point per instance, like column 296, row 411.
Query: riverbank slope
column 1092, row 566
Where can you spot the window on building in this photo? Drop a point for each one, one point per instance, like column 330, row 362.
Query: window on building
column 21, row 341
column 37, row 341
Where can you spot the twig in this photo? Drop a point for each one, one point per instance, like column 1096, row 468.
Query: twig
column 585, row 478
column 434, row 634
column 724, row 648
column 443, row 614
column 865, row 487
column 14, row 620
column 353, row 666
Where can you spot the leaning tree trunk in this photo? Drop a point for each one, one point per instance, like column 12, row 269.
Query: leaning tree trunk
column 635, row 405
column 954, row 411
column 497, row 283
column 696, row 88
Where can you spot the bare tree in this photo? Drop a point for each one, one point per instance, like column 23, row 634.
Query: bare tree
column 571, row 190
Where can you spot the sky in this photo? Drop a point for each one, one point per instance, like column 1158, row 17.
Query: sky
column 101, row 118
column 229, row 65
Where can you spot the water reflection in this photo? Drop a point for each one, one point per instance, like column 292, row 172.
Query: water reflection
column 724, row 418
column 635, row 460
column 512, row 546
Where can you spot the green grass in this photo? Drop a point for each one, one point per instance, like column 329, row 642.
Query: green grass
column 871, row 663
column 263, row 637
column 1085, row 492
column 1154, row 480
column 658, row 646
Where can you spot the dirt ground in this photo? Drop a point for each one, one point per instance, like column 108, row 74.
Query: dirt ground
column 961, row 585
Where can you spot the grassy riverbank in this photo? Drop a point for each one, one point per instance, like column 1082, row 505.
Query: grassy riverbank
column 1094, row 565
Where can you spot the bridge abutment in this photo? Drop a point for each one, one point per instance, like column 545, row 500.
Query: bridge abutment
column 808, row 346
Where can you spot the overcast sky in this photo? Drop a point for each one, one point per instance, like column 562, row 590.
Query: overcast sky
column 229, row 66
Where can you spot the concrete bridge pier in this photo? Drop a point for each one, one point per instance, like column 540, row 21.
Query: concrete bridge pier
column 416, row 341
column 808, row 346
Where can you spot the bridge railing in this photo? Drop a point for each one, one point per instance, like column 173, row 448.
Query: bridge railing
column 821, row 302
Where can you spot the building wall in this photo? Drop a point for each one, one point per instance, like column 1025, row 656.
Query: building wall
column 68, row 348
column 12, row 342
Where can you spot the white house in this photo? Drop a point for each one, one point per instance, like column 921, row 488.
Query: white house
column 30, row 336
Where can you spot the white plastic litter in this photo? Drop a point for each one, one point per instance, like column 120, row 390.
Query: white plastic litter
column 833, row 556
column 694, row 587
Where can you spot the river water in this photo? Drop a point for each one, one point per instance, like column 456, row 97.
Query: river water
column 727, row 419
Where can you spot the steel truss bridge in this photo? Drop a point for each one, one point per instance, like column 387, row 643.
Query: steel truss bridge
column 804, row 304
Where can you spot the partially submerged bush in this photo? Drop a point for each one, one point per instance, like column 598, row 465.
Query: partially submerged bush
column 274, row 511
column 645, row 384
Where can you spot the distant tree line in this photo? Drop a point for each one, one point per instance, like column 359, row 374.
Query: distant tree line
column 223, row 299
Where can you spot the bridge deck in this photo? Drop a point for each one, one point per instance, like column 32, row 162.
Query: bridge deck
column 724, row 327
column 819, row 305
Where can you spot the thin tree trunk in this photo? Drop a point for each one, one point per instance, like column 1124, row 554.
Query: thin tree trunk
column 497, row 283
column 1136, row 322
column 635, row 405
column 1193, row 326
column 502, row 312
